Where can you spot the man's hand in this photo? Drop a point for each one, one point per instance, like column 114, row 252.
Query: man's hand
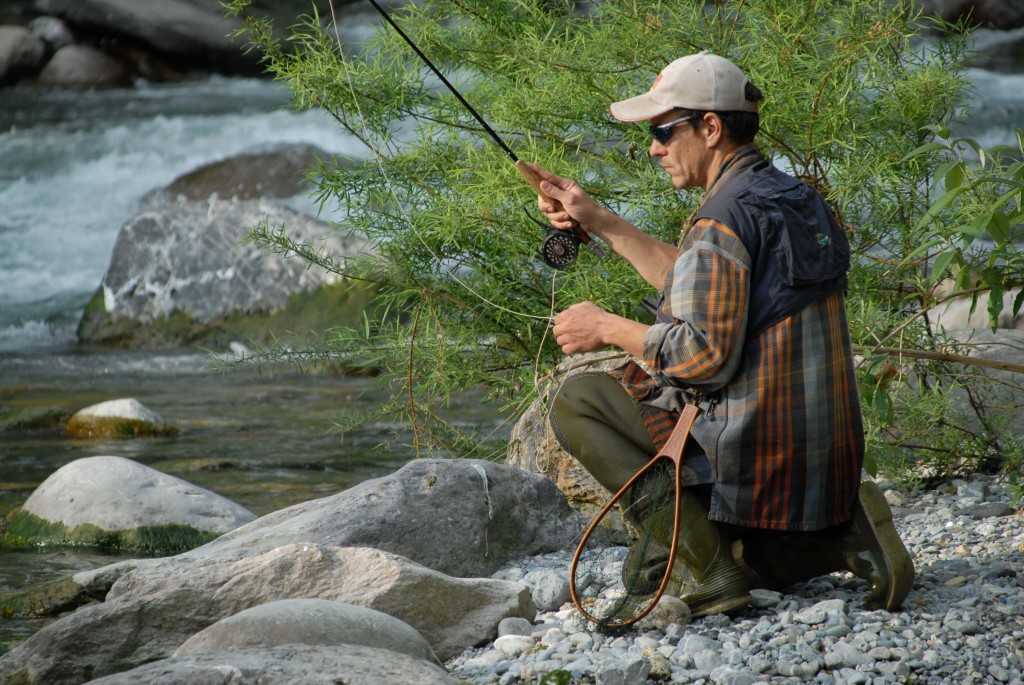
column 577, row 207
column 585, row 327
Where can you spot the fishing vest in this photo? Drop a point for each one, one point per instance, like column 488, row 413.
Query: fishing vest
column 798, row 251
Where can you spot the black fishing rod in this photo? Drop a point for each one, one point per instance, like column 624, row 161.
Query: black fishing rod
column 559, row 248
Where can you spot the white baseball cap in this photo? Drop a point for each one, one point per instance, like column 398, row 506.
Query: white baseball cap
column 703, row 82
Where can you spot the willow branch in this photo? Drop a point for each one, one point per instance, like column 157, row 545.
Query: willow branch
column 942, row 357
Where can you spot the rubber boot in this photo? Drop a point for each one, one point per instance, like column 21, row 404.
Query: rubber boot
column 711, row 582
column 869, row 547
column 874, row 551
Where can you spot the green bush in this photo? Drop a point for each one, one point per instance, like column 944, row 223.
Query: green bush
column 856, row 104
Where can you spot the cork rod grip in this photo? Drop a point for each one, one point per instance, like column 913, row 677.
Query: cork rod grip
column 534, row 180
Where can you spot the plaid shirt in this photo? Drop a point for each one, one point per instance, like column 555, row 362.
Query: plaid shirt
column 781, row 428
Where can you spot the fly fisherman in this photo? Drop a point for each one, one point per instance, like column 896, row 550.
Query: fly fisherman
column 752, row 326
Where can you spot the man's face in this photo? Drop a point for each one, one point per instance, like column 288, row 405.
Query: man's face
column 685, row 155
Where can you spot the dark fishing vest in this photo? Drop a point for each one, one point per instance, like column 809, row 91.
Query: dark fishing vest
column 798, row 250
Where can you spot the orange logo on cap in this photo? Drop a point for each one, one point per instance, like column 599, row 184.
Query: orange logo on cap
column 657, row 81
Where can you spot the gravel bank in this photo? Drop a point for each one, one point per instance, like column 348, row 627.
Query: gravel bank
column 962, row 623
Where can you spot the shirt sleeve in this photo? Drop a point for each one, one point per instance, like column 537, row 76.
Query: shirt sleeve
column 707, row 295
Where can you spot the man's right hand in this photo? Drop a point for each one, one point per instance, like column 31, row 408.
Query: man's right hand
column 577, row 208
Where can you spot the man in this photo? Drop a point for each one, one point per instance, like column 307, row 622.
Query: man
column 752, row 327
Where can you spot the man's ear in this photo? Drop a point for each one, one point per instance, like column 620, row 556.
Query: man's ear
column 714, row 130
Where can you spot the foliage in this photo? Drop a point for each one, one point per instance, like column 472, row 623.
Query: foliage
column 966, row 248
column 857, row 105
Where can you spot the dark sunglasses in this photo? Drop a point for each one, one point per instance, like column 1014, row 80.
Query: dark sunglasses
column 663, row 133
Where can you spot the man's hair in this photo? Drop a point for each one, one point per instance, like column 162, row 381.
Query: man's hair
column 740, row 127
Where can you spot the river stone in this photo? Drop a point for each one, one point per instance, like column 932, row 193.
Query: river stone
column 462, row 517
column 533, row 447
column 297, row 664
column 21, row 52
column 151, row 610
column 309, row 622
column 182, row 271
column 83, row 67
column 200, row 34
column 122, row 418
column 275, row 172
column 116, row 498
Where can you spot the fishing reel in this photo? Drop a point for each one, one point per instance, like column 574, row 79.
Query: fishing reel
column 559, row 249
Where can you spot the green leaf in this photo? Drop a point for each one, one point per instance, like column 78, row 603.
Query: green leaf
column 995, row 306
column 954, row 178
column 998, row 226
column 940, row 265
column 924, row 149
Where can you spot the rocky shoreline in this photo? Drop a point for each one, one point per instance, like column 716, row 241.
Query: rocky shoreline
column 962, row 623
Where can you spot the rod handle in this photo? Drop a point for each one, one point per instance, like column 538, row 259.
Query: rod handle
column 534, row 180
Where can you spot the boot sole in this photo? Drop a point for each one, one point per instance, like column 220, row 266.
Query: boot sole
column 726, row 605
column 874, row 514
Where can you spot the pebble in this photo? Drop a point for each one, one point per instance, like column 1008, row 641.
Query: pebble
column 963, row 621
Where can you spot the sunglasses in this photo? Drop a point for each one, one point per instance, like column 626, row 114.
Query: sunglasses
column 663, row 133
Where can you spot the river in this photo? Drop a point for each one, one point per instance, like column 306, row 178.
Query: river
column 75, row 166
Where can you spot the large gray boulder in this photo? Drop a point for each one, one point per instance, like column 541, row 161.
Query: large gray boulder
column 181, row 274
column 463, row 517
column 293, row 664
column 152, row 610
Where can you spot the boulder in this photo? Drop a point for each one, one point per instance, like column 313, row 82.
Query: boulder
column 957, row 315
column 464, row 518
column 196, row 33
column 533, row 447
column 308, row 665
column 83, row 67
column 309, row 622
column 998, row 14
column 276, row 172
column 124, row 418
column 151, row 610
column 116, row 502
column 181, row 275
column 21, row 53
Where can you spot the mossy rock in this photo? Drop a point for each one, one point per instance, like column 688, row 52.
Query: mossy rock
column 25, row 529
column 116, row 427
column 48, row 600
column 338, row 304
column 39, row 419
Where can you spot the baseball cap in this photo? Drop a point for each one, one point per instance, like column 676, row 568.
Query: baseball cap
column 703, row 82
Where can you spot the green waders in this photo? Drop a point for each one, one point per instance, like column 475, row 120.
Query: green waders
column 597, row 422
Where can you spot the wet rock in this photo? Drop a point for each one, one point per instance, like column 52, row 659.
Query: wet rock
column 83, row 67
column 124, row 418
column 181, row 275
column 278, row 172
column 21, row 53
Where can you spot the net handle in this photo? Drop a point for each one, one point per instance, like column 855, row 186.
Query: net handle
column 673, row 450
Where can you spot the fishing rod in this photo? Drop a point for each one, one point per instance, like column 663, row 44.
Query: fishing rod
column 560, row 247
